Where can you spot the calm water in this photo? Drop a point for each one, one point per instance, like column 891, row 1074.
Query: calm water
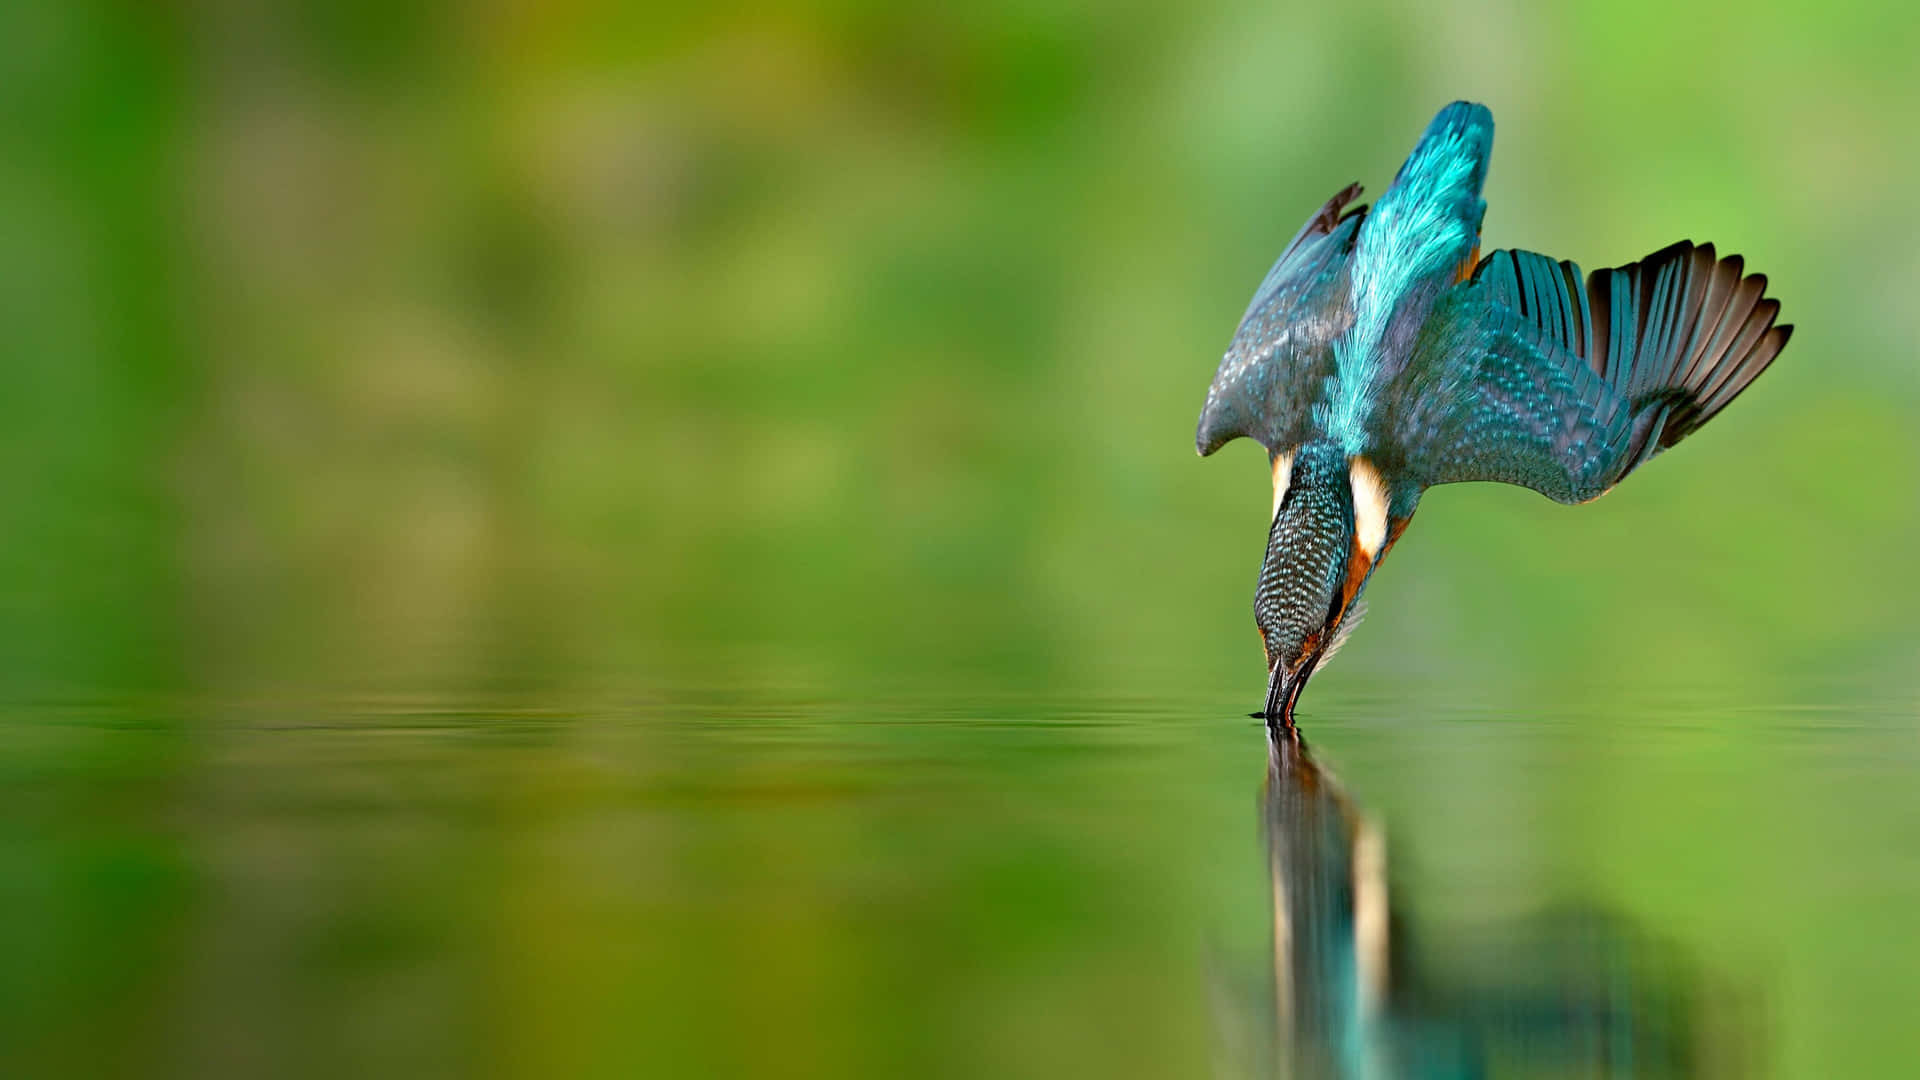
column 687, row 885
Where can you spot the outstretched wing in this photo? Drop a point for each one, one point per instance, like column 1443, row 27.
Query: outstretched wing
column 1485, row 396
column 1283, row 349
column 1526, row 375
column 1679, row 334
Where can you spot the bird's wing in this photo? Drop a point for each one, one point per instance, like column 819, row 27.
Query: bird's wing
column 1282, row 351
column 1486, row 396
column 1678, row 334
column 1529, row 375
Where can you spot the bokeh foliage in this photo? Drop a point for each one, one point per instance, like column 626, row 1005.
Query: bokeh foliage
column 848, row 338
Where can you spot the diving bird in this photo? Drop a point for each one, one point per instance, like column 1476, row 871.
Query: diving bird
column 1382, row 355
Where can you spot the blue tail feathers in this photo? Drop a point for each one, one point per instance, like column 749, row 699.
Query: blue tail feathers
column 1428, row 222
column 1433, row 210
column 1456, row 146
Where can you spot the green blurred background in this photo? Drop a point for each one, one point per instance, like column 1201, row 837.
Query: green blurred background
column 571, row 352
column 850, row 338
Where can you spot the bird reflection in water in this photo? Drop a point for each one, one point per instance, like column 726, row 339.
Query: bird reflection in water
column 1569, row 994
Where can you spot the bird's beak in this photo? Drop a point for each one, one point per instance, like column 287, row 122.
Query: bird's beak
column 1282, row 692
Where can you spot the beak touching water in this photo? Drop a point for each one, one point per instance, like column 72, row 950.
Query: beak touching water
column 1283, row 691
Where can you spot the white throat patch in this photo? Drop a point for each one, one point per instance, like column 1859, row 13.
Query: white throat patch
column 1282, row 477
column 1369, row 507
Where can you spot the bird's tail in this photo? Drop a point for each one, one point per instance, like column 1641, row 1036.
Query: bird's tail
column 1428, row 223
column 1452, row 154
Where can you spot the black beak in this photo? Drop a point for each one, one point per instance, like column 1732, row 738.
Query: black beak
column 1282, row 692
column 1276, row 691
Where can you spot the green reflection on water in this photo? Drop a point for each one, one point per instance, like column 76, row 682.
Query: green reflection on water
column 686, row 887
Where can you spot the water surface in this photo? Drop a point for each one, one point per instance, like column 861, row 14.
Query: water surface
column 692, row 885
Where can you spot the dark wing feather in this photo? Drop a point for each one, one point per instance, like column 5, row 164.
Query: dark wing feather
column 1678, row 334
column 1487, row 395
column 1283, row 349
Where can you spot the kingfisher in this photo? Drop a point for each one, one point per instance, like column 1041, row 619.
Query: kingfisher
column 1382, row 355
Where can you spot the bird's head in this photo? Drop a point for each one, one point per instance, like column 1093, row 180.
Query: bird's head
column 1329, row 521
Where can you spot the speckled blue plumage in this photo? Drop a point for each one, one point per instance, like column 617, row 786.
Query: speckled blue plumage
column 1313, row 528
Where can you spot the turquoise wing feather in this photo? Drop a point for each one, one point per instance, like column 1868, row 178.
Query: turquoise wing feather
column 1679, row 334
column 1486, row 396
column 1528, row 375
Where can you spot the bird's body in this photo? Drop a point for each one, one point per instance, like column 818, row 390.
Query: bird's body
column 1381, row 356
